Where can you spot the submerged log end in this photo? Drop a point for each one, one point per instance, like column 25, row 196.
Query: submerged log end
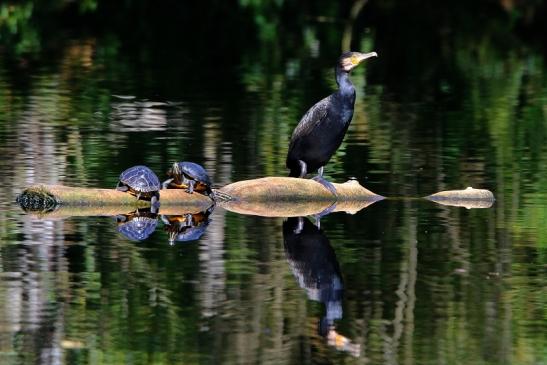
column 468, row 198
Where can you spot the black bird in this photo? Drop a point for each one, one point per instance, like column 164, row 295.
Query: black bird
column 321, row 130
column 314, row 265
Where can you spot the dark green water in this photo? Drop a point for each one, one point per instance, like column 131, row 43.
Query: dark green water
column 457, row 98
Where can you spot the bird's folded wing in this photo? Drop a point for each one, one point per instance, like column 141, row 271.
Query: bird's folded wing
column 311, row 119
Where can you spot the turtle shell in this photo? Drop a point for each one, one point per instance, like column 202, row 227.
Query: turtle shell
column 191, row 233
column 189, row 227
column 195, row 172
column 182, row 231
column 138, row 228
column 141, row 179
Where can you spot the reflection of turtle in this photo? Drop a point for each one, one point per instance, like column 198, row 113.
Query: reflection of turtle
column 141, row 182
column 137, row 225
column 189, row 176
column 188, row 227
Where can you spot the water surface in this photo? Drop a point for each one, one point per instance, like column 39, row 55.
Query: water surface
column 402, row 281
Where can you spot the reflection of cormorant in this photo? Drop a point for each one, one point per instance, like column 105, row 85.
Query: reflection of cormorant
column 321, row 130
column 187, row 227
column 137, row 225
column 313, row 263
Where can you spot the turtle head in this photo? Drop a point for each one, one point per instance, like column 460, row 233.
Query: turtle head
column 174, row 170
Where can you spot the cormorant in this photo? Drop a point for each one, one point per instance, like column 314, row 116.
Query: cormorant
column 314, row 265
column 321, row 130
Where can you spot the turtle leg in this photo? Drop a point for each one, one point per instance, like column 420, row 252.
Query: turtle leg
column 190, row 188
column 165, row 220
column 120, row 218
column 166, row 183
column 122, row 188
column 155, row 204
column 188, row 220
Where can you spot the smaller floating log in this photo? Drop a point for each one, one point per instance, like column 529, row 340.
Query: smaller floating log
column 468, row 198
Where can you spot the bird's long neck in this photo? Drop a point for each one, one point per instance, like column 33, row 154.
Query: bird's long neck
column 345, row 87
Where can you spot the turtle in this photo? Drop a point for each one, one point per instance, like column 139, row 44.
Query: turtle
column 189, row 176
column 137, row 225
column 141, row 182
column 187, row 227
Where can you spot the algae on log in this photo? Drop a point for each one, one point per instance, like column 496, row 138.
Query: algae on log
column 293, row 197
column 468, row 198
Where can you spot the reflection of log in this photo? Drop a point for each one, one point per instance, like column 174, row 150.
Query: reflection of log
column 468, row 198
column 67, row 211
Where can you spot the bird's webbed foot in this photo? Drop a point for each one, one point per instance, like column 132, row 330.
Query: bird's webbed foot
column 327, row 184
column 323, row 213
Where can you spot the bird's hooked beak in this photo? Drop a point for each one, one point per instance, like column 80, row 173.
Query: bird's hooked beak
column 363, row 56
column 353, row 60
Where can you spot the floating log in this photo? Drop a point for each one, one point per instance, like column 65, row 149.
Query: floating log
column 292, row 197
column 293, row 189
column 269, row 196
column 467, row 198
column 50, row 198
